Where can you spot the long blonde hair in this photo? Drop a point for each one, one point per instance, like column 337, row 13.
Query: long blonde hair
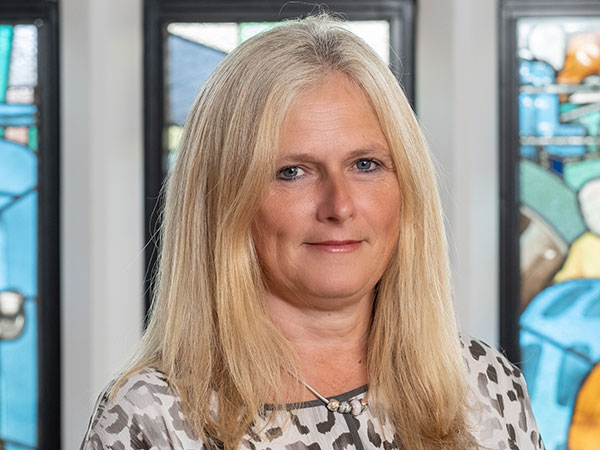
column 209, row 330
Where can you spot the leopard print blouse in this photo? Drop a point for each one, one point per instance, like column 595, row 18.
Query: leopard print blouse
column 146, row 414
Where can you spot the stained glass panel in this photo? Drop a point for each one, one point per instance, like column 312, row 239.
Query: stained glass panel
column 195, row 49
column 18, row 237
column 559, row 174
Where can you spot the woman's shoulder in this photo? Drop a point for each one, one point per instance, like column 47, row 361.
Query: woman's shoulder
column 501, row 405
column 141, row 411
column 483, row 359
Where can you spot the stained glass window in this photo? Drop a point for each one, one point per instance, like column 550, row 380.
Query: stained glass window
column 18, row 236
column 559, row 179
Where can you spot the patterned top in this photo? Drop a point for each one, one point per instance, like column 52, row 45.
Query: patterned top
column 146, row 414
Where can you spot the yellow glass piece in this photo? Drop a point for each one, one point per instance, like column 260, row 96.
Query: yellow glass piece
column 583, row 259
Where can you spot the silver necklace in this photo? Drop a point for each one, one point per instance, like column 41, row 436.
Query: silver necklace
column 354, row 406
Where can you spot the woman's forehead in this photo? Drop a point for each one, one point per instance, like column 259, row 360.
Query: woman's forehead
column 334, row 112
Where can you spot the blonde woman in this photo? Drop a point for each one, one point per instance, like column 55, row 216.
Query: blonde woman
column 303, row 299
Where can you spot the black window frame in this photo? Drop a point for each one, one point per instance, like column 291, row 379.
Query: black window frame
column 510, row 11
column 400, row 14
column 48, row 267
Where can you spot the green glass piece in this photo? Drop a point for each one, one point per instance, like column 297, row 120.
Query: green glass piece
column 591, row 122
column 2, row 132
column 33, row 138
column 551, row 198
column 578, row 173
column 6, row 33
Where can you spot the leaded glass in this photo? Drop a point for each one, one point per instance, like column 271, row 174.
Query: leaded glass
column 18, row 233
column 559, row 176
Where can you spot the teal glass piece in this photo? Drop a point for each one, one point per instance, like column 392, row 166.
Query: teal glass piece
column 579, row 173
column 18, row 383
column 548, row 195
column 18, row 168
column 6, row 33
column 19, row 222
column 33, row 138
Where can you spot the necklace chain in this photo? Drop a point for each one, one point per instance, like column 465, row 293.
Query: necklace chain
column 354, row 406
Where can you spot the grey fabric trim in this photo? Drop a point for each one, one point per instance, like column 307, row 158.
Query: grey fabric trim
column 351, row 422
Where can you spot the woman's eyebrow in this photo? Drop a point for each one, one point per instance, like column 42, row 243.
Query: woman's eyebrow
column 371, row 150
column 368, row 150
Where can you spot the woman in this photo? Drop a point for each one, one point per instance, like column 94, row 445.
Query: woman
column 303, row 256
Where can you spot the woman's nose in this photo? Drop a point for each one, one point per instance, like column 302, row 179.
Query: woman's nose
column 336, row 200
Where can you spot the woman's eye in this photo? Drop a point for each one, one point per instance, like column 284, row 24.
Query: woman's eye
column 289, row 173
column 366, row 165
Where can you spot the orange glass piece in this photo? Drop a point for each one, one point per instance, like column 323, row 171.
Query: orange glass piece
column 582, row 59
column 584, row 433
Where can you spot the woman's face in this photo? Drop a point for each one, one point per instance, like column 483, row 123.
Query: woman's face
column 330, row 220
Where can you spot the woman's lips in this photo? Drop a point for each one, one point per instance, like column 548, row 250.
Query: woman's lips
column 335, row 246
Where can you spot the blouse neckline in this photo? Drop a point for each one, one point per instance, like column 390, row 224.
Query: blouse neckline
column 316, row 402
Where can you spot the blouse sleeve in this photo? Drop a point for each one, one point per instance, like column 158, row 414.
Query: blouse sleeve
column 501, row 391
column 142, row 414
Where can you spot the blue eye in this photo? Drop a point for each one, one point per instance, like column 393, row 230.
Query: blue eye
column 289, row 173
column 366, row 165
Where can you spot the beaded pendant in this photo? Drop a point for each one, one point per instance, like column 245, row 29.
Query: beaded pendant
column 355, row 406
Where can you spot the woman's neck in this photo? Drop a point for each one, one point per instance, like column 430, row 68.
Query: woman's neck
column 330, row 342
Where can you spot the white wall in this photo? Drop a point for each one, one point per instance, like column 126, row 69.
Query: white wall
column 102, row 180
column 456, row 98
column 101, row 199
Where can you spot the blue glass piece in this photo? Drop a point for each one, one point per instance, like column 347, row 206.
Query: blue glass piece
column 18, row 168
column 574, row 325
column 526, row 115
column 561, row 304
column 16, row 447
column 190, row 64
column 560, row 320
column 557, row 166
column 536, row 73
column 546, row 118
column 593, row 309
column 5, row 199
column 20, row 228
column 17, row 115
column 18, row 383
column 573, row 370
column 553, row 419
column 530, row 356
column 567, row 129
column 529, row 152
column 3, row 254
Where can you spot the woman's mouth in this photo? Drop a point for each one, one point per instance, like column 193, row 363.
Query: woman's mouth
column 345, row 246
